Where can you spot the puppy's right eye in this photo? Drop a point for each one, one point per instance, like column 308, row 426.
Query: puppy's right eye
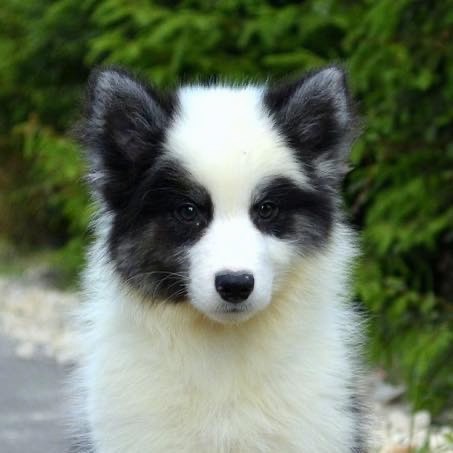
column 267, row 210
column 187, row 212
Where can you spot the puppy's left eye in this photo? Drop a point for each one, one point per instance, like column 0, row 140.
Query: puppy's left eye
column 187, row 212
column 267, row 210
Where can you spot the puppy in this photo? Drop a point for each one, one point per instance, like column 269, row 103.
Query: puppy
column 217, row 316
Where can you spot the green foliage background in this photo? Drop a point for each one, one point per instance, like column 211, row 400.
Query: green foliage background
column 400, row 57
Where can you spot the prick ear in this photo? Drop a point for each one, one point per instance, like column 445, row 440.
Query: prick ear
column 123, row 131
column 316, row 116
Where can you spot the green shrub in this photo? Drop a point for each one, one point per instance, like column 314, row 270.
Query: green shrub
column 402, row 190
column 400, row 57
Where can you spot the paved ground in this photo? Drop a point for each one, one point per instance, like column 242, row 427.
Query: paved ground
column 31, row 415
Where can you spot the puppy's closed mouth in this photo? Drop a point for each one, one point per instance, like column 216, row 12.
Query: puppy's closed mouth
column 229, row 308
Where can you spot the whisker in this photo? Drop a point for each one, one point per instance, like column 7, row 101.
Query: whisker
column 167, row 274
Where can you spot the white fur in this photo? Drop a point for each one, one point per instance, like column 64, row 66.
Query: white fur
column 165, row 379
column 230, row 157
column 160, row 377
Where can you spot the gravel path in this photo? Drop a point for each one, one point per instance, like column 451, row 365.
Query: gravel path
column 36, row 343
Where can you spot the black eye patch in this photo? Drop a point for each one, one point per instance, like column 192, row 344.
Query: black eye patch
column 149, row 237
column 162, row 192
column 303, row 215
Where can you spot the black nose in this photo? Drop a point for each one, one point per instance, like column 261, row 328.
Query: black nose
column 234, row 287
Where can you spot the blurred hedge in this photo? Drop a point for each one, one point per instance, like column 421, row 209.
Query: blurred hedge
column 400, row 57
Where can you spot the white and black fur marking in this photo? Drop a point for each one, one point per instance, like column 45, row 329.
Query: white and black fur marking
column 209, row 182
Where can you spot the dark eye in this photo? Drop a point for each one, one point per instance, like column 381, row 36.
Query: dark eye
column 267, row 210
column 187, row 212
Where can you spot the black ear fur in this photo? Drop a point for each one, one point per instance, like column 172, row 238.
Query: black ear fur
column 316, row 116
column 123, row 131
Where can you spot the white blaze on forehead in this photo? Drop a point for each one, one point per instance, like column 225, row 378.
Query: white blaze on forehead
column 226, row 139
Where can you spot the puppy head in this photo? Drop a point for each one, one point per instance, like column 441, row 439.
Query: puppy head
column 215, row 191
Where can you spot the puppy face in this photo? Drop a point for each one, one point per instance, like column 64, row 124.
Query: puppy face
column 214, row 191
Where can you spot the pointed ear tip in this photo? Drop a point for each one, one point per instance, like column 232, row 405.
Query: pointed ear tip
column 104, row 80
column 335, row 73
column 331, row 78
column 100, row 73
column 105, row 74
